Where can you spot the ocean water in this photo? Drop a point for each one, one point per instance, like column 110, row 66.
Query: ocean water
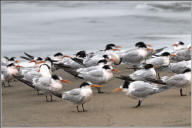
column 44, row 28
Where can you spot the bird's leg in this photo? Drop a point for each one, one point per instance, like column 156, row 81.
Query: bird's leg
column 158, row 75
column 46, row 98
column 37, row 92
column 51, row 98
column 83, row 108
column 8, row 83
column 181, row 92
column 99, row 90
column 3, row 83
column 77, row 108
column 134, row 68
column 139, row 104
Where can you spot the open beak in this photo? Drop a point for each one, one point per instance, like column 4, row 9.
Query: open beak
column 175, row 45
column 172, row 55
column 65, row 81
column 18, row 66
column 32, row 61
column 17, row 61
column 95, row 85
column 118, row 46
column 150, row 50
column 117, row 90
column 66, row 56
column 149, row 45
column 115, row 70
column 116, row 49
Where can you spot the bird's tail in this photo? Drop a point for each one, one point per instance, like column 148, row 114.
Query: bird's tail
column 159, row 81
column 57, row 94
column 163, row 88
column 20, row 78
column 30, row 56
column 23, row 57
column 122, row 77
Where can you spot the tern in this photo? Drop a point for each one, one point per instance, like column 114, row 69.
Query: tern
column 180, row 67
column 161, row 61
column 139, row 90
column 135, row 57
column 142, row 74
column 78, row 96
column 8, row 71
column 99, row 76
column 176, row 81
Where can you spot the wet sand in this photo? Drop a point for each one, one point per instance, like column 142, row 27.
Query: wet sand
column 21, row 106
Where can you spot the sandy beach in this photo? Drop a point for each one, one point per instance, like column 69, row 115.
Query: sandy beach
column 23, row 107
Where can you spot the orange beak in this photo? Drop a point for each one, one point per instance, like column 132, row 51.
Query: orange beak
column 115, row 70
column 66, row 56
column 18, row 66
column 112, row 60
column 95, row 85
column 117, row 90
column 38, row 70
column 17, row 61
column 32, row 61
column 40, row 62
column 172, row 55
column 175, row 45
column 149, row 45
column 65, row 81
column 189, row 48
column 155, row 66
column 116, row 49
column 150, row 50
column 118, row 46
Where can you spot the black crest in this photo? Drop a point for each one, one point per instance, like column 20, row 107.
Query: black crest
column 102, row 61
column 55, row 77
column 181, row 43
column 165, row 54
column 187, row 70
column 106, row 67
column 84, row 84
column 58, row 54
column 11, row 64
column 148, row 66
column 126, row 84
column 81, row 54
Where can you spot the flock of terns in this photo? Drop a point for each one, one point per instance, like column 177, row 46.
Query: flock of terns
column 96, row 68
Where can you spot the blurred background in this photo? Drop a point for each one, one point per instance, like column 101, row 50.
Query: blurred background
column 44, row 28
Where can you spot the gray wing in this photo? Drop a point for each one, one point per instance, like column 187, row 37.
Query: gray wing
column 73, row 96
column 156, row 61
column 3, row 68
column 95, row 76
column 176, row 81
column 132, row 57
column 144, row 89
column 142, row 75
column 43, row 83
column 182, row 55
column 178, row 67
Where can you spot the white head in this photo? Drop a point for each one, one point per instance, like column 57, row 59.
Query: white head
column 178, row 46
